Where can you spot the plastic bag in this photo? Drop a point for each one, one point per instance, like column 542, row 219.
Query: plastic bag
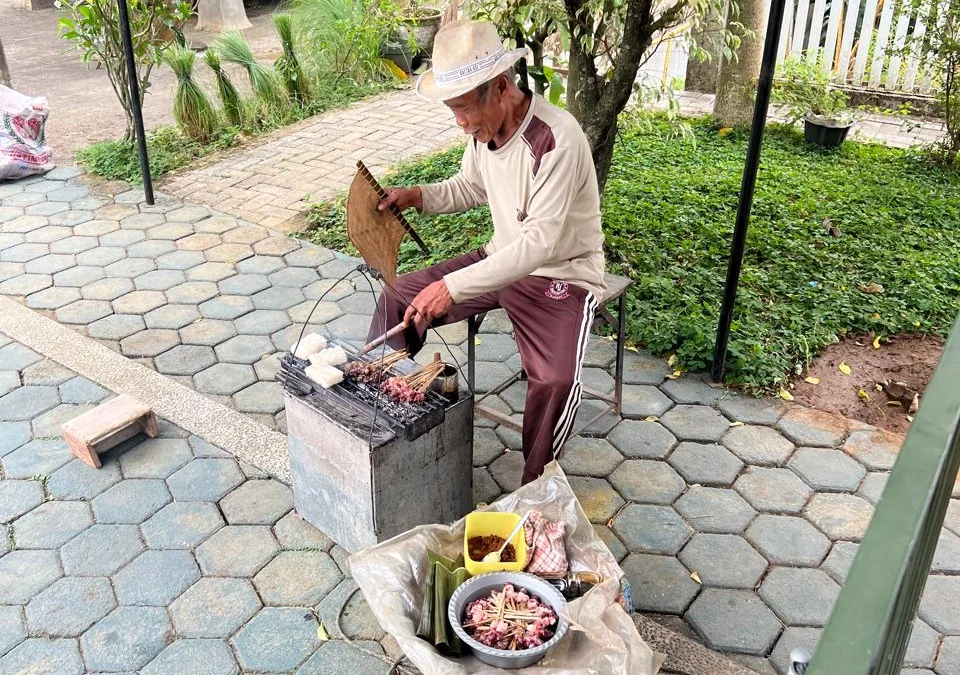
column 23, row 151
column 603, row 640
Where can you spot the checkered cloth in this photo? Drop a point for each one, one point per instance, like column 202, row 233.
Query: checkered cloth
column 545, row 547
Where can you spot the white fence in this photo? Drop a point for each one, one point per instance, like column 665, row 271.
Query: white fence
column 859, row 42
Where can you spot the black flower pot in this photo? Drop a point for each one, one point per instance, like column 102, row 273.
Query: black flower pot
column 825, row 131
column 400, row 53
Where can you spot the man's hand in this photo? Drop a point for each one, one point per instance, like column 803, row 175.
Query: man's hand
column 431, row 302
column 402, row 198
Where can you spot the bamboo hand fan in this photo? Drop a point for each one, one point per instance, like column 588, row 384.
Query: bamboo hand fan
column 376, row 234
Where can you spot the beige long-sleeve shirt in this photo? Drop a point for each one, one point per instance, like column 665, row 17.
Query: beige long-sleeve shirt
column 541, row 186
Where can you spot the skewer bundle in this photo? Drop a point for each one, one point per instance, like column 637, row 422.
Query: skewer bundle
column 368, row 371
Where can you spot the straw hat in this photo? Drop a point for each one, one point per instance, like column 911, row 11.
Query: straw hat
column 465, row 55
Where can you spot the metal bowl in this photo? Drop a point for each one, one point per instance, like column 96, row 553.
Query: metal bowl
column 481, row 586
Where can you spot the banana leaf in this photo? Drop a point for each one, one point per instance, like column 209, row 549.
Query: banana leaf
column 443, row 577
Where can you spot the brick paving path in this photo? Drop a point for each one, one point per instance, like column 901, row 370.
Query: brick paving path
column 768, row 513
column 274, row 181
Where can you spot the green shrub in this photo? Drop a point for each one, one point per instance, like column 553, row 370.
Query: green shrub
column 229, row 96
column 191, row 107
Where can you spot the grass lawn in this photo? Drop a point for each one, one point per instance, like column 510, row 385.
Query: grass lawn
column 169, row 149
column 668, row 214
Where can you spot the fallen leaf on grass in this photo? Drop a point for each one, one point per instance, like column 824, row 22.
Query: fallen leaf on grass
column 724, row 132
column 786, row 395
column 864, row 395
column 675, row 374
column 696, row 577
column 875, row 316
column 844, row 368
column 871, row 288
column 672, row 360
column 630, row 348
column 876, row 342
column 812, row 380
column 322, row 633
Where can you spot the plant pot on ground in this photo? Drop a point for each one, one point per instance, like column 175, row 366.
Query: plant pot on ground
column 400, row 53
column 421, row 24
column 806, row 90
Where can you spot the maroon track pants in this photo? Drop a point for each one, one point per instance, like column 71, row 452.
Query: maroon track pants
column 551, row 322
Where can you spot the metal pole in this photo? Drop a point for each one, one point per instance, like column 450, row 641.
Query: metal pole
column 764, row 85
column 135, row 101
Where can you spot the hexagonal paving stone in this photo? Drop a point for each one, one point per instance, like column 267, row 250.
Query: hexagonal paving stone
column 827, row 469
column 194, row 657
column 172, row 316
column 922, row 647
column 82, row 275
column 230, row 253
column 67, row 194
column 612, row 542
column 707, row 464
column 36, row 457
column 48, row 234
column 18, row 497
column 25, row 403
column 116, row 326
column 839, row 516
column 589, row 457
column 180, row 260
column 106, row 289
column 224, row 378
column 293, row 532
column 212, row 271
column 122, row 238
column 214, row 608
column 246, row 349
column 25, row 284
column 151, row 342
column 131, row 501
column 875, row 449
column 226, row 307
column 947, row 556
column 78, row 480
column 650, row 481
column 948, row 661
column 297, row 277
column 39, row 656
column 773, row 490
column 279, row 297
column 50, row 264
column 243, row 284
column 838, row 563
column 260, row 397
column 159, row 280
column 715, row 510
column 599, row 501
column 182, row 525
column 260, row 264
column 692, row 389
column 9, row 380
column 97, row 227
column 800, row 597
column 262, row 322
column 245, row 234
column 155, row 458
column 152, row 248
column 83, row 312
column 15, row 356
column 49, row 423
column 155, row 578
column 46, row 372
column 651, row 529
column 695, row 423
column 205, row 480
column 51, row 524
column 257, row 502
column 70, row 606
column 276, row 246
column 23, row 574
column 257, row 645
column 12, row 631
column 805, row 426
column 187, row 214
column 332, row 290
column 758, row 445
column 185, row 360
column 237, row 551
column 659, row 583
column 53, row 298
column 193, row 293
column 640, row 401
column 207, row 332
column 46, row 208
column 9, row 270
column 724, row 560
column 297, row 578
column 793, row 637
column 138, row 302
column 130, row 267
column 788, row 540
column 101, row 550
column 734, row 621
column 74, row 245
column 126, row 639
column 199, row 242
column 873, row 486
column 938, row 605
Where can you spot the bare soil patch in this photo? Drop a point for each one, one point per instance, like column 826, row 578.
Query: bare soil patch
column 905, row 358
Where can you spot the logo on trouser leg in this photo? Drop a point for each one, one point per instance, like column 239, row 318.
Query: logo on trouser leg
column 558, row 290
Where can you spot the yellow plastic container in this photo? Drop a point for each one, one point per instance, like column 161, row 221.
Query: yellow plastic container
column 483, row 523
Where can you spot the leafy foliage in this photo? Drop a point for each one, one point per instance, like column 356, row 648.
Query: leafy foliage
column 191, row 108
column 94, row 28
column 288, row 65
column 804, row 87
column 229, row 96
column 233, row 47
column 669, row 211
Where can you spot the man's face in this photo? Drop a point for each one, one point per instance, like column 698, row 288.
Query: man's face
column 480, row 116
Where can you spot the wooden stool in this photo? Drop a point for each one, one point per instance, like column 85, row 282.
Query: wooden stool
column 100, row 429
column 616, row 291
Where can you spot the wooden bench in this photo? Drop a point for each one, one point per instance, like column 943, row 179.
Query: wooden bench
column 112, row 422
column 616, row 292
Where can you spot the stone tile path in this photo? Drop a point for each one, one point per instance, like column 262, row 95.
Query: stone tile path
column 274, row 181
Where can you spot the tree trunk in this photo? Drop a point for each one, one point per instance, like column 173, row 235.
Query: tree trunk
column 737, row 80
column 4, row 70
column 702, row 75
column 522, row 63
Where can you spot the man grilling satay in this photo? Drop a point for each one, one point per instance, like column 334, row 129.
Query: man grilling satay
column 531, row 162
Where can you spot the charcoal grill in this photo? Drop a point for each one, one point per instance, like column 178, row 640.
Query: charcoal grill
column 366, row 467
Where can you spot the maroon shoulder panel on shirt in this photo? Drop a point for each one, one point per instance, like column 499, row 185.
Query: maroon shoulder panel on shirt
column 539, row 138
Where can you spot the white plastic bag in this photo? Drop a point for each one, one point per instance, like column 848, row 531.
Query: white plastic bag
column 603, row 640
column 23, row 151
